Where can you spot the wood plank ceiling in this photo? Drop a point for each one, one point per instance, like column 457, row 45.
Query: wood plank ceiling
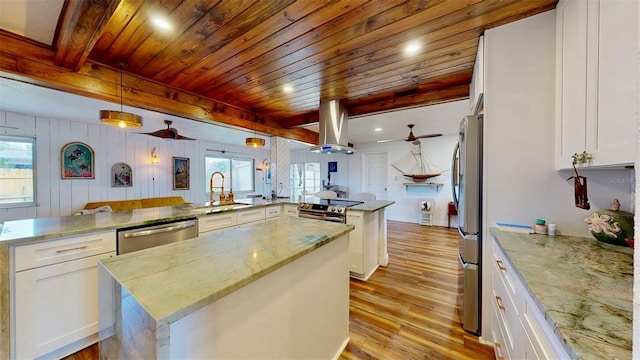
column 228, row 61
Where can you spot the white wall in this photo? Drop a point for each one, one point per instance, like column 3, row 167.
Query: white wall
column 438, row 152
column 56, row 197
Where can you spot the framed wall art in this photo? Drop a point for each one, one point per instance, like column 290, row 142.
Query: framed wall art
column 180, row 173
column 77, row 161
column 121, row 175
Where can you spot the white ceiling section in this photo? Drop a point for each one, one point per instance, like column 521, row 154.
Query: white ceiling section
column 41, row 15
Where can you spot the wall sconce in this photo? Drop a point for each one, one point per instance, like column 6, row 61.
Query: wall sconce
column 154, row 156
column 264, row 167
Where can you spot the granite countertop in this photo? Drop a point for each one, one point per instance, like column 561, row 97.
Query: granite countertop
column 16, row 232
column 582, row 286
column 175, row 280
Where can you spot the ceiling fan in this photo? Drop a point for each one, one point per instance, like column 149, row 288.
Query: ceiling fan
column 411, row 137
column 168, row 133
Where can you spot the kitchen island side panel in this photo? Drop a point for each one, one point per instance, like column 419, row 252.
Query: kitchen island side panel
column 300, row 310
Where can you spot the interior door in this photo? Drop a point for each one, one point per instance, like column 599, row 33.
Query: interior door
column 375, row 174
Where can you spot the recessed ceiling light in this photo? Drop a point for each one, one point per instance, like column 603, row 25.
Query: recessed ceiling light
column 377, row 129
column 161, row 23
column 287, row 89
column 412, row 48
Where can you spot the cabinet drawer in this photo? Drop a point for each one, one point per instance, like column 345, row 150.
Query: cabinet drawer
column 506, row 312
column 249, row 216
column 505, row 271
column 216, row 222
column 499, row 339
column 544, row 342
column 63, row 249
column 272, row 212
column 291, row 210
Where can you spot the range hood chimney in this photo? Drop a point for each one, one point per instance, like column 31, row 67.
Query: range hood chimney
column 333, row 129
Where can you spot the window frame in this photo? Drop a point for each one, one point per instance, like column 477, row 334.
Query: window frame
column 27, row 140
column 230, row 180
column 304, row 179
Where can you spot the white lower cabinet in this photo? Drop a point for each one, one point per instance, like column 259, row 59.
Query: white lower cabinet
column 251, row 216
column 290, row 210
column 215, row 222
column 55, row 306
column 519, row 328
column 363, row 243
column 272, row 212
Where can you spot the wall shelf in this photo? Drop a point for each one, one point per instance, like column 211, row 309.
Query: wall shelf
column 435, row 185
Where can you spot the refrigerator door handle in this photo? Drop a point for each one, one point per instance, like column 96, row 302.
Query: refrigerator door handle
column 454, row 175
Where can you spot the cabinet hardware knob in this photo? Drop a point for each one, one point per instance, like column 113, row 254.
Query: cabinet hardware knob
column 71, row 249
column 501, row 265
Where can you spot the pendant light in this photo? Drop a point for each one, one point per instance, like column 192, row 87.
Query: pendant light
column 120, row 118
column 254, row 141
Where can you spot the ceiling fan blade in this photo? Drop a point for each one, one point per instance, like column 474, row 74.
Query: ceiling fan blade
column 168, row 133
column 180, row 137
column 388, row 140
column 427, row 136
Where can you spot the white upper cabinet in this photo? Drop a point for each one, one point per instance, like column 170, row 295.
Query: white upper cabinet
column 596, row 91
column 476, row 88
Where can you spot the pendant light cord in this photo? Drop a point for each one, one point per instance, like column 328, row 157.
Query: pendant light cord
column 121, row 88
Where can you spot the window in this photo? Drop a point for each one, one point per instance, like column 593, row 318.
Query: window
column 17, row 171
column 305, row 180
column 238, row 174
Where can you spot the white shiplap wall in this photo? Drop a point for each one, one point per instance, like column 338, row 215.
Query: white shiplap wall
column 57, row 197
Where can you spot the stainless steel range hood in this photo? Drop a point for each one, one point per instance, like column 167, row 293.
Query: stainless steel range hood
column 333, row 129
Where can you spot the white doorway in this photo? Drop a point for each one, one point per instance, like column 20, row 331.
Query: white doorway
column 375, row 174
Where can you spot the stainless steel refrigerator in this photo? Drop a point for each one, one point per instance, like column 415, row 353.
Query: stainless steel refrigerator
column 467, row 196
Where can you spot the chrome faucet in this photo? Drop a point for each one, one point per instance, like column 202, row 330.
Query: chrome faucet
column 222, row 197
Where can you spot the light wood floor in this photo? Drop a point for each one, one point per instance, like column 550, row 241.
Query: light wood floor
column 407, row 310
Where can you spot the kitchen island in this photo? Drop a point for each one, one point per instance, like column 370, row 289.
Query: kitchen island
column 90, row 236
column 277, row 289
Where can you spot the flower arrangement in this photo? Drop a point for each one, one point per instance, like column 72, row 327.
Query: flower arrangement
column 581, row 158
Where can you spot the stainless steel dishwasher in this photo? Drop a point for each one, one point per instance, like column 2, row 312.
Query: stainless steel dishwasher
column 143, row 237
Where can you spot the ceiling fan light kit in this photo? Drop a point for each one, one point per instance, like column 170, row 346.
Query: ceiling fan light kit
column 120, row 118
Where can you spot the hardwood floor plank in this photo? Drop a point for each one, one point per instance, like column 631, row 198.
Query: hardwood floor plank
column 423, row 274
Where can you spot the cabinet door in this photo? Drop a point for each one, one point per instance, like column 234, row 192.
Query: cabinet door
column 614, row 140
column 356, row 242
column 571, row 81
column 56, row 306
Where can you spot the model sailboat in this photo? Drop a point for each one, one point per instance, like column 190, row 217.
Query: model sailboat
column 414, row 166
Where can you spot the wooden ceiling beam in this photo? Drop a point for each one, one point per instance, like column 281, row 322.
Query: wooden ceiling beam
column 79, row 29
column 441, row 89
column 24, row 61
